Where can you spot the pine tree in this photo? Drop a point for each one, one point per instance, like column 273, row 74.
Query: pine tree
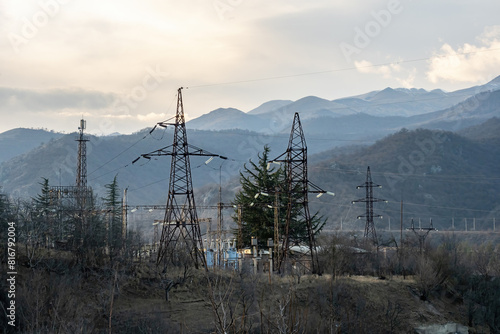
column 112, row 203
column 42, row 201
column 42, row 217
column 260, row 186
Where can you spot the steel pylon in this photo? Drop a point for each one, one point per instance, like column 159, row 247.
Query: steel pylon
column 297, row 190
column 181, row 229
column 370, row 232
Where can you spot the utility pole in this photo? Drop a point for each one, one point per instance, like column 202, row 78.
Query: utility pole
column 181, row 219
column 370, row 232
column 240, row 232
column 276, row 230
column 422, row 236
column 401, row 222
column 124, row 217
column 220, row 224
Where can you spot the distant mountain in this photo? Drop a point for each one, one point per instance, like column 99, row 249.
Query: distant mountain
column 484, row 131
column 226, row 119
column 311, row 107
column 394, row 159
column 269, row 106
column 273, row 116
column 18, row 141
column 439, row 175
column 472, row 111
column 147, row 180
column 361, row 127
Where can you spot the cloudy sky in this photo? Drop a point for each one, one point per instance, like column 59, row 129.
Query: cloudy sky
column 119, row 63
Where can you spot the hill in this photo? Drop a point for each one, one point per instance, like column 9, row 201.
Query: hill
column 132, row 299
column 226, row 118
column 414, row 107
column 147, row 181
column 19, row 141
column 485, row 131
column 437, row 174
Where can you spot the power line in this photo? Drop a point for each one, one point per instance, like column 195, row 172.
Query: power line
column 116, row 156
column 414, row 175
column 339, row 69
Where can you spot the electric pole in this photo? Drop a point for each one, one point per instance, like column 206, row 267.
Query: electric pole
column 298, row 185
column 181, row 222
column 370, row 232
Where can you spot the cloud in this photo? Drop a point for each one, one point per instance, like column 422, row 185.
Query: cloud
column 53, row 99
column 468, row 63
column 403, row 76
column 151, row 117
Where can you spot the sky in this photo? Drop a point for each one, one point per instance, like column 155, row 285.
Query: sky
column 118, row 64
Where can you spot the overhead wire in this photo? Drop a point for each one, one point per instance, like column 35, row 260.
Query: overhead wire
column 414, row 175
column 340, row 69
column 116, row 156
column 129, row 147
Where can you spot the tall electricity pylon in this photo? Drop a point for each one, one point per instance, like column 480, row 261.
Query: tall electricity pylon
column 181, row 219
column 370, row 232
column 298, row 185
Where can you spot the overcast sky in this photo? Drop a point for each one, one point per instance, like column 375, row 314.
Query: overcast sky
column 119, row 63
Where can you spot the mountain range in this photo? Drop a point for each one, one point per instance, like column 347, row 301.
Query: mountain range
column 397, row 106
column 344, row 136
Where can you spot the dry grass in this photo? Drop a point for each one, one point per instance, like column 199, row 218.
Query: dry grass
column 361, row 304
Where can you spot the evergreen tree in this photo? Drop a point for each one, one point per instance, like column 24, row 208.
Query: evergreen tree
column 42, row 201
column 42, row 218
column 260, row 186
column 112, row 204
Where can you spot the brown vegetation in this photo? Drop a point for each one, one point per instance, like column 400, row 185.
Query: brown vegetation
column 359, row 292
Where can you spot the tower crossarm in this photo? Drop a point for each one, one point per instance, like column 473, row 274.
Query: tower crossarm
column 168, row 150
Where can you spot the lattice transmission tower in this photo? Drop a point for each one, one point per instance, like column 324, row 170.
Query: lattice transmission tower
column 297, row 188
column 181, row 229
column 81, row 170
column 79, row 196
column 370, row 232
column 421, row 233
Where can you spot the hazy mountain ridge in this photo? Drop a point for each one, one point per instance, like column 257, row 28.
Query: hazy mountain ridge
column 19, row 141
column 440, row 175
column 416, row 107
column 147, row 181
column 392, row 161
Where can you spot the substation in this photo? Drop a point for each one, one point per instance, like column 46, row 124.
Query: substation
column 176, row 227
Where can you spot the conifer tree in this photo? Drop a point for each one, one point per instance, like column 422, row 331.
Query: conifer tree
column 259, row 187
column 112, row 204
